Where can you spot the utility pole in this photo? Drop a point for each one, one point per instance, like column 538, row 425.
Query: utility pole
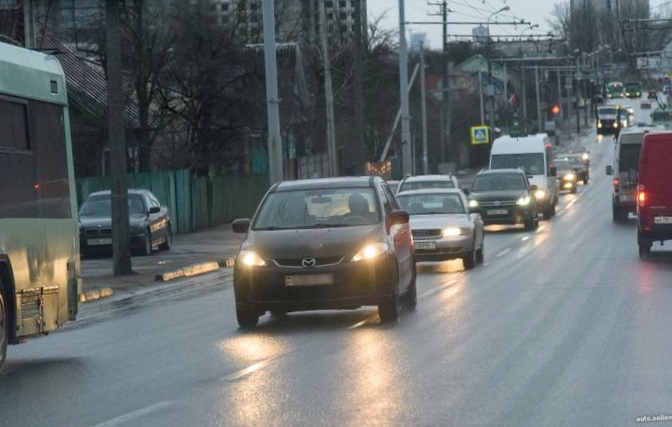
column 445, row 85
column 403, row 92
column 423, row 109
column 121, row 238
column 536, row 79
column 328, row 93
column 275, row 166
column 359, row 147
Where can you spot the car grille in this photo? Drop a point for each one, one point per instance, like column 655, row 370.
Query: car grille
column 426, row 233
column 98, row 231
column 298, row 262
column 496, row 203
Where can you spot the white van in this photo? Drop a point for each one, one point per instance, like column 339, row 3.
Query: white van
column 533, row 154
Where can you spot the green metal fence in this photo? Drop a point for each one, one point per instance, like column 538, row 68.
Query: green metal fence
column 194, row 202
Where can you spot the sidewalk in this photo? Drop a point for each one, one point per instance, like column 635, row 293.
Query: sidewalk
column 193, row 254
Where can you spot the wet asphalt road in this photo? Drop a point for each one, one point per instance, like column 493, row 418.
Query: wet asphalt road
column 564, row 326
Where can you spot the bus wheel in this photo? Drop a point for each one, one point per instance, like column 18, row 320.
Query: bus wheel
column 3, row 331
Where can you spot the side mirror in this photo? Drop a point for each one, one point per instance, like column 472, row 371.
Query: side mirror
column 609, row 170
column 466, row 191
column 554, row 171
column 154, row 209
column 240, row 225
column 398, row 217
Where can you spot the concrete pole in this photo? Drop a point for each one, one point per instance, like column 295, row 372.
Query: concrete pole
column 423, row 106
column 328, row 93
column 403, row 93
column 480, row 94
column 445, row 88
column 536, row 79
column 275, row 166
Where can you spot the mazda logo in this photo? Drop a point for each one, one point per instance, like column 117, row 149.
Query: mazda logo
column 308, row 262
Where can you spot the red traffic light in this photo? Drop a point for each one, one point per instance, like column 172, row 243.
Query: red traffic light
column 555, row 109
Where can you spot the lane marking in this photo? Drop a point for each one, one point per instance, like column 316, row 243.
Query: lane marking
column 525, row 238
column 362, row 323
column 437, row 290
column 502, row 253
column 249, row 370
column 135, row 414
column 541, row 227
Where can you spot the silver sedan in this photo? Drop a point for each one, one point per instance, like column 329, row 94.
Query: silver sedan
column 442, row 226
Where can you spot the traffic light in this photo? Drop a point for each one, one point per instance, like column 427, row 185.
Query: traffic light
column 555, row 110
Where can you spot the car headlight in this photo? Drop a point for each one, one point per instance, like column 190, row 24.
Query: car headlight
column 473, row 203
column 615, row 124
column 584, row 156
column 371, row 251
column 569, row 177
column 599, row 124
column 250, row 259
column 451, row 232
column 540, row 194
column 524, row 201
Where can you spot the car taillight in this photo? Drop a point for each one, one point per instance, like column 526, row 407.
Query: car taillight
column 641, row 196
column 616, row 182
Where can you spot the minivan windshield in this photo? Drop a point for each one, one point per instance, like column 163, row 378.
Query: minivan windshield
column 317, row 208
column 532, row 163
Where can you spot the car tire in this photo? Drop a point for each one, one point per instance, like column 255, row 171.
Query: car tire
column 480, row 254
column 469, row 259
column 410, row 298
column 529, row 223
column 644, row 246
column 4, row 330
column 389, row 307
column 247, row 318
column 165, row 246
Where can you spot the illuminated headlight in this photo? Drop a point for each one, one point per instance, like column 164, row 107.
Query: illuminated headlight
column 250, row 259
column 584, row 156
column 540, row 194
column 569, row 177
column 599, row 124
column 452, row 232
column 524, row 201
column 473, row 203
column 371, row 251
column 615, row 124
column 627, row 93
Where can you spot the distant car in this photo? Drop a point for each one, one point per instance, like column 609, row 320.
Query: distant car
column 442, row 226
column 652, row 94
column 608, row 120
column 577, row 163
column 329, row 243
column 149, row 223
column 645, row 105
column 567, row 175
column 578, row 149
column 504, row 196
column 428, row 181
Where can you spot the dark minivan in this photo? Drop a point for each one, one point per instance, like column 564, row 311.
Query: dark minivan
column 654, row 191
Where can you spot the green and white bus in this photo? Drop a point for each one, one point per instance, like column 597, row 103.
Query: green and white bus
column 39, row 242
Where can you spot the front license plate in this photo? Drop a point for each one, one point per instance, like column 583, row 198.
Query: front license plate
column 497, row 212
column 309, row 279
column 663, row 220
column 425, row 245
column 99, row 242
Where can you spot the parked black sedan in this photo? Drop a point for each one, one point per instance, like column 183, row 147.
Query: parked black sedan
column 149, row 223
column 332, row 243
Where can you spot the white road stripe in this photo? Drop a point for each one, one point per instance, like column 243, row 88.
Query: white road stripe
column 502, row 253
column 135, row 414
column 249, row 370
column 436, row 290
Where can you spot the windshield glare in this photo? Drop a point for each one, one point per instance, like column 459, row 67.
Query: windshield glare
column 316, row 208
column 102, row 205
column 531, row 163
column 429, row 204
column 498, row 182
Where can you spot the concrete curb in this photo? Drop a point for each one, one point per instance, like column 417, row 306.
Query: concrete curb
column 195, row 269
column 96, row 294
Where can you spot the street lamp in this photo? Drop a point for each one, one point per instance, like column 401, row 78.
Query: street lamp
column 491, row 91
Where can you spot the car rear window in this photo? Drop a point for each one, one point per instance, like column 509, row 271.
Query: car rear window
column 424, row 184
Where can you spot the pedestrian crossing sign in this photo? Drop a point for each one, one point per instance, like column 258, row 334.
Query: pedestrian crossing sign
column 480, row 135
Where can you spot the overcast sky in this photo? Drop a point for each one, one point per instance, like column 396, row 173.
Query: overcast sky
column 533, row 11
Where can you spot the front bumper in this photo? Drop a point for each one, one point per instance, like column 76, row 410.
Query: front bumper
column 443, row 248
column 102, row 244
column 353, row 284
column 510, row 215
